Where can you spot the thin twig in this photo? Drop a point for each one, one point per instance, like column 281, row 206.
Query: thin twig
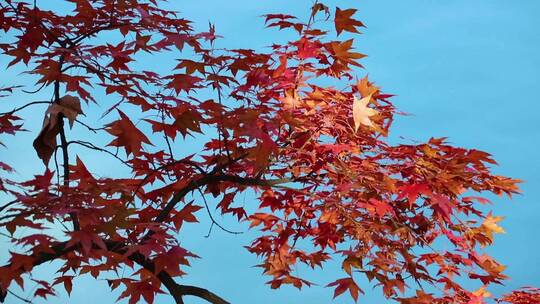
column 89, row 127
column 2, row 208
column 90, row 145
column 214, row 222
column 36, row 90
column 25, row 106
column 19, row 297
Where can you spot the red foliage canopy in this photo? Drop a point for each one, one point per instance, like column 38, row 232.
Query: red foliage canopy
column 270, row 123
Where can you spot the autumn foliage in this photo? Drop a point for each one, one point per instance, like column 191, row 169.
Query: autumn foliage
column 293, row 125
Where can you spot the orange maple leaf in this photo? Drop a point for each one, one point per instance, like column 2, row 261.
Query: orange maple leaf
column 344, row 22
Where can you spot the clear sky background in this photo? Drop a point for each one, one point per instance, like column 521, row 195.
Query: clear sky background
column 468, row 70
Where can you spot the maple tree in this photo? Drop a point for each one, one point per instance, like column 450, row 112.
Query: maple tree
column 328, row 184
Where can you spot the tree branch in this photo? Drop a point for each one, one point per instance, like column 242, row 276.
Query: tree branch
column 214, row 178
column 202, row 293
column 25, row 106
column 13, row 202
column 176, row 290
column 65, row 156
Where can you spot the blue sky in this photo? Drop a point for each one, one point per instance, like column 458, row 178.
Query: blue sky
column 467, row 70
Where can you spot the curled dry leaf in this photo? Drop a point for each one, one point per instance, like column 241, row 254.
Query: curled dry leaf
column 69, row 106
column 45, row 143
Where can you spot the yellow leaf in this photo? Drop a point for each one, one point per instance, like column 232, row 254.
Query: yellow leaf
column 290, row 101
column 482, row 292
column 361, row 112
column 490, row 223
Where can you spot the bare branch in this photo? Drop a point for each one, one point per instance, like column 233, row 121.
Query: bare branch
column 214, row 222
column 90, row 145
column 65, row 156
column 18, row 297
column 13, row 202
column 89, row 127
column 25, row 106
